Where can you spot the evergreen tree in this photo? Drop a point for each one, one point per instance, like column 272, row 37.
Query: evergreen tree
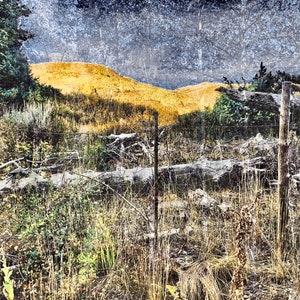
column 15, row 77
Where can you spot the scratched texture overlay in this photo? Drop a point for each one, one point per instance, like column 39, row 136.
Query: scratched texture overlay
column 168, row 43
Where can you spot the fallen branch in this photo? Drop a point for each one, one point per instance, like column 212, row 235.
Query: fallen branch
column 12, row 162
column 121, row 197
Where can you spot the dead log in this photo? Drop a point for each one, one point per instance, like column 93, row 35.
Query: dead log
column 127, row 147
column 166, row 233
column 199, row 174
column 263, row 101
column 122, row 137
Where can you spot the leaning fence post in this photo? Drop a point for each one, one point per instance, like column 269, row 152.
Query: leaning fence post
column 283, row 173
column 155, row 181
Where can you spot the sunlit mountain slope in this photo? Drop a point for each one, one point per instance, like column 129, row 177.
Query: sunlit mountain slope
column 96, row 79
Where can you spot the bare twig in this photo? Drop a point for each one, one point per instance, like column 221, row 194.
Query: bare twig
column 122, row 197
column 12, row 162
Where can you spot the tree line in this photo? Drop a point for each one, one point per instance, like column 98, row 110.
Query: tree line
column 17, row 84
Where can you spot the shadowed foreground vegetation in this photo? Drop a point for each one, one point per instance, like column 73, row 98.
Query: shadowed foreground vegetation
column 88, row 241
column 69, row 244
column 78, row 242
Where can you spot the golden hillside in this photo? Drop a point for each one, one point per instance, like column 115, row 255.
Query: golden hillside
column 96, row 79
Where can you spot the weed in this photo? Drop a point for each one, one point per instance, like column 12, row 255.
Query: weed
column 8, row 284
column 96, row 156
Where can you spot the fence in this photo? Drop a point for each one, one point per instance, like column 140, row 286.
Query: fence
column 213, row 207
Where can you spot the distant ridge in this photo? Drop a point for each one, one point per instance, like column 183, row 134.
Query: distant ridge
column 88, row 79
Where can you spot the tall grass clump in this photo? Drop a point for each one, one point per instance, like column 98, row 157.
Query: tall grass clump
column 8, row 282
column 33, row 132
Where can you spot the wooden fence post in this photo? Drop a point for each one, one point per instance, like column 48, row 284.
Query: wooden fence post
column 283, row 173
column 155, row 179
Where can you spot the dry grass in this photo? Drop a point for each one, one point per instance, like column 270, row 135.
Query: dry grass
column 84, row 243
column 197, row 262
column 91, row 79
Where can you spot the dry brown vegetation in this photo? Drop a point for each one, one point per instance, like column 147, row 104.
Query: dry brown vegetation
column 89, row 241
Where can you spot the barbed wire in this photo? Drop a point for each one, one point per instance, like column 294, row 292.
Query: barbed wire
column 238, row 127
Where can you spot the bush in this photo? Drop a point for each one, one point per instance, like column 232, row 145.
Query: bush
column 96, row 156
column 227, row 119
column 28, row 132
column 268, row 82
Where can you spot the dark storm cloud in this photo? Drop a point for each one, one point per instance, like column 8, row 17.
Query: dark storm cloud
column 179, row 6
column 110, row 6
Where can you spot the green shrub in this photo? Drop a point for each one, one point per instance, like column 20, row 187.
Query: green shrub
column 62, row 237
column 269, row 82
column 25, row 132
column 52, row 225
column 96, row 156
column 227, row 119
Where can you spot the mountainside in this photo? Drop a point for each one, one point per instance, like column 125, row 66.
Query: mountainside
column 94, row 79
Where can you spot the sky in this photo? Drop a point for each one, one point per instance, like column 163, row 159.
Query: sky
column 168, row 43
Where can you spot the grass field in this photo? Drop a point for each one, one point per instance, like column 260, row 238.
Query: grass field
column 92, row 79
